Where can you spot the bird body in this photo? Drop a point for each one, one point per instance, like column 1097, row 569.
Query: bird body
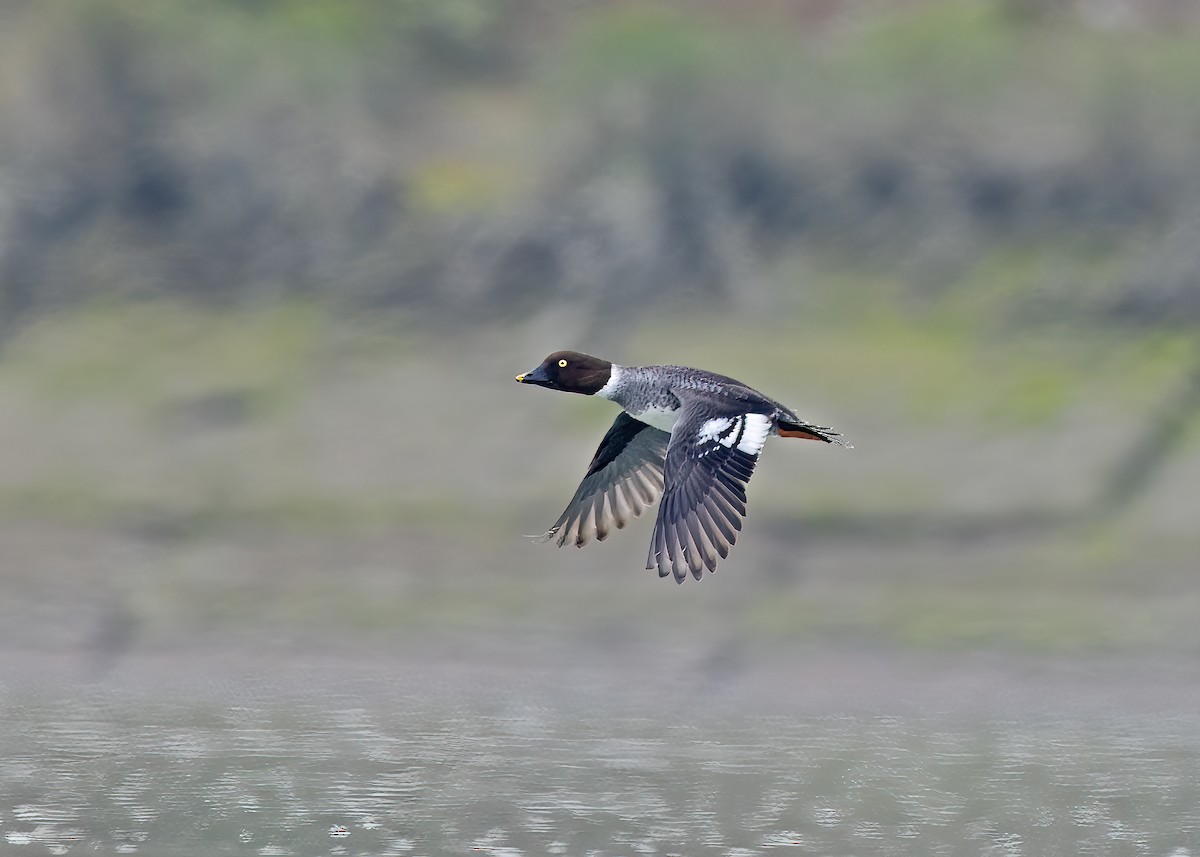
column 686, row 435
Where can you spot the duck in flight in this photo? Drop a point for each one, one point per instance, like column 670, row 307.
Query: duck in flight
column 688, row 436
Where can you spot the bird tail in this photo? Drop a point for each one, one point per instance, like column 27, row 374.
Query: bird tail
column 787, row 428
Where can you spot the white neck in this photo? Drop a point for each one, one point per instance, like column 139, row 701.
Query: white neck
column 610, row 389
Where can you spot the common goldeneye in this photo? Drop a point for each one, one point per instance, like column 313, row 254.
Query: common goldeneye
column 689, row 436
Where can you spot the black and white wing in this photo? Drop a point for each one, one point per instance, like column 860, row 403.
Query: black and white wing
column 625, row 476
column 709, row 461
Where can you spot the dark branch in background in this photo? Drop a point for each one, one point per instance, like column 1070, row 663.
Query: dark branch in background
column 1128, row 479
column 1162, row 436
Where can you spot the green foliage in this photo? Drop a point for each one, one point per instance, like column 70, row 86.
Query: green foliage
column 324, row 51
column 664, row 53
column 151, row 353
column 645, row 44
column 910, row 306
column 936, row 51
column 956, row 361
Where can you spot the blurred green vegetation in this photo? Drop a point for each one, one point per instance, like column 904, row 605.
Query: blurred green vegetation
column 215, row 411
column 163, row 369
column 266, row 272
column 449, row 157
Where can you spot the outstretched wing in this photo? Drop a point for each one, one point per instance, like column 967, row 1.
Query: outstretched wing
column 625, row 476
column 709, row 461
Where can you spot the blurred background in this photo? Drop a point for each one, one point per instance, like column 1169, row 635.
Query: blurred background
column 267, row 271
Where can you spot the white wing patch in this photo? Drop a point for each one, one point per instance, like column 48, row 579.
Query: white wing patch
column 748, row 431
column 754, row 434
column 717, row 429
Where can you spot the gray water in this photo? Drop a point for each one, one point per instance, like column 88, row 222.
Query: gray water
column 413, row 761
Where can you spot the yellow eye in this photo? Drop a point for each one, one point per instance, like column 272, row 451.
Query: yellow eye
column 562, row 364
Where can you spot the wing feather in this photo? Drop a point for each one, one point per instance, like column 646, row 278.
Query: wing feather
column 623, row 479
column 710, row 459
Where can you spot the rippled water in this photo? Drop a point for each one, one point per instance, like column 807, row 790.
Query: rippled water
column 389, row 765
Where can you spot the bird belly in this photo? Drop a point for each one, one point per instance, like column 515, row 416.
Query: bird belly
column 658, row 417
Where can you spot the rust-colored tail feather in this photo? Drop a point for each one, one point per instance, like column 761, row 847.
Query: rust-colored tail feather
column 810, row 432
column 807, row 435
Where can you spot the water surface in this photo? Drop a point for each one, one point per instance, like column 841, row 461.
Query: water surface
column 414, row 760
